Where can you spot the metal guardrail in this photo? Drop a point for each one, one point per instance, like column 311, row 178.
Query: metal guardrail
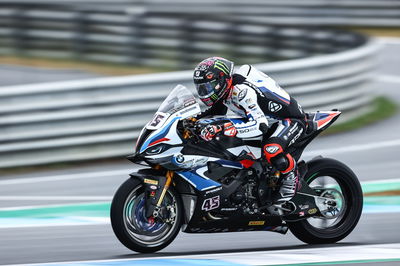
column 163, row 40
column 99, row 118
column 370, row 13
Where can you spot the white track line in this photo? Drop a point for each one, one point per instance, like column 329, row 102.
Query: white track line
column 53, row 222
column 29, row 207
column 355, row 148
column 276, row 257
column 54, row 198
column 389, row 40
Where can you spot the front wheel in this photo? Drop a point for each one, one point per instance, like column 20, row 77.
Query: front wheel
column 133, row 229
column 333, row 180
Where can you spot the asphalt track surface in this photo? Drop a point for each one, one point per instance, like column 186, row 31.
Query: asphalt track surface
column 372, row 152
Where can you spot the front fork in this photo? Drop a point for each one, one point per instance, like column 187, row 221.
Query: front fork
column 155, row 196
column 169, row 176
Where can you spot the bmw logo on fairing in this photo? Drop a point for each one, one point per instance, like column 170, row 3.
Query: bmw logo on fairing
column 179, row 158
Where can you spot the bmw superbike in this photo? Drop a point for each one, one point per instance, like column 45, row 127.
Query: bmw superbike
column 225, row 185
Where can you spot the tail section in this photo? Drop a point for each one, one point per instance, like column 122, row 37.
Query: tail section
column 324, row 118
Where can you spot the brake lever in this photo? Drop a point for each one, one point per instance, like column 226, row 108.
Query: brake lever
column 191, row 126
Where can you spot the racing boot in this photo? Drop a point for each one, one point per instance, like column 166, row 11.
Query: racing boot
column 290, row 183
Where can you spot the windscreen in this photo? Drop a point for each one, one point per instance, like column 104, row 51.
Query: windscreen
column 180, row 102
column 179, row 98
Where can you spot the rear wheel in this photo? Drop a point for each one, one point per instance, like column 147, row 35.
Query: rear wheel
column 133, row 229
column 340, row 203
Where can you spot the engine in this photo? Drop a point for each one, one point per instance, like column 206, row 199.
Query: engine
column 244, row 196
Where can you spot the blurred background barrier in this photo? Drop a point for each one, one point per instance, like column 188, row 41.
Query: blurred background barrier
column 163, row 34
column 100, row 118
column 381, row 13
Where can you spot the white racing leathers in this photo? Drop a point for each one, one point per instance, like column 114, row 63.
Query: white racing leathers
column 260, row 99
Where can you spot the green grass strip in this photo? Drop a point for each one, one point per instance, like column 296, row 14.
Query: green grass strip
column 382, row 108
column 382, row 200
column 84, row 210
column 380, row 187
column 375, row 31
column 341, row 262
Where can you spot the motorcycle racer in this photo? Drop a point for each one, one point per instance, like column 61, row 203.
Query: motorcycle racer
column 269, row 110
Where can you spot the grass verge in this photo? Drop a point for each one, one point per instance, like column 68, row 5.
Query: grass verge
column 383, row 193
column 94, row 67
column 377, row 32
column 383, row 108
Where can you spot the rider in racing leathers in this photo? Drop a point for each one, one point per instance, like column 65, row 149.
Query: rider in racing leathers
column 251, row 94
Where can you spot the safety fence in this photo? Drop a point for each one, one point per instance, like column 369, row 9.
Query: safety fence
column 163, row 41
column 369, row 13
column 100, row 118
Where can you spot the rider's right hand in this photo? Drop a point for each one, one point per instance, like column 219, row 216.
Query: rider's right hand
column 210, row 131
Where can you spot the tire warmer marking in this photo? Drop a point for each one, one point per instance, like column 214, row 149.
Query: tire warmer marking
column 311, row 177
column 169, row 176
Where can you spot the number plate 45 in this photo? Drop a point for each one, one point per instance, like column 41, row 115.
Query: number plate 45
column 210, row 204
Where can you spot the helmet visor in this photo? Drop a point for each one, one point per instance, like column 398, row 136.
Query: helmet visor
column 206, row 89
column 207, row 92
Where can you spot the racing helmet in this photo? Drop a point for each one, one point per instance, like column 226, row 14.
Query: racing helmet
column 213, row 78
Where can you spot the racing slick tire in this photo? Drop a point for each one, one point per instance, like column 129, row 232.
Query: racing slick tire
column 352, row 196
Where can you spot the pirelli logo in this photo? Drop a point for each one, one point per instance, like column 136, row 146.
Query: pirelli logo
column 256, row 222
column 151, row 181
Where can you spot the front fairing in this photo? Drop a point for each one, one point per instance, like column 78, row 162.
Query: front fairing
column 159, row 139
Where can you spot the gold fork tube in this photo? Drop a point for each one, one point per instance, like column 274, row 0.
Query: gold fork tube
column 169, row 176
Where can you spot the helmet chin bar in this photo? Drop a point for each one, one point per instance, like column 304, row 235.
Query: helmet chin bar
column 207, row 101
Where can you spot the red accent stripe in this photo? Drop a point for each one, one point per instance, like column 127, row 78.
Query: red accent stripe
column 320, row 123
column 285, row 101
column 158, row 141
column 247, row 163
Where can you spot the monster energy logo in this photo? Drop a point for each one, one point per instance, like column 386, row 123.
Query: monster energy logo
column 222, row 66
column 214, row 97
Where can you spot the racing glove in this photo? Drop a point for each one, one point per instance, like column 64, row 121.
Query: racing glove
column 210, row 131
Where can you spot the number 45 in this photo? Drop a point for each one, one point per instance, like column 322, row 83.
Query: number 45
column 210, row 204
